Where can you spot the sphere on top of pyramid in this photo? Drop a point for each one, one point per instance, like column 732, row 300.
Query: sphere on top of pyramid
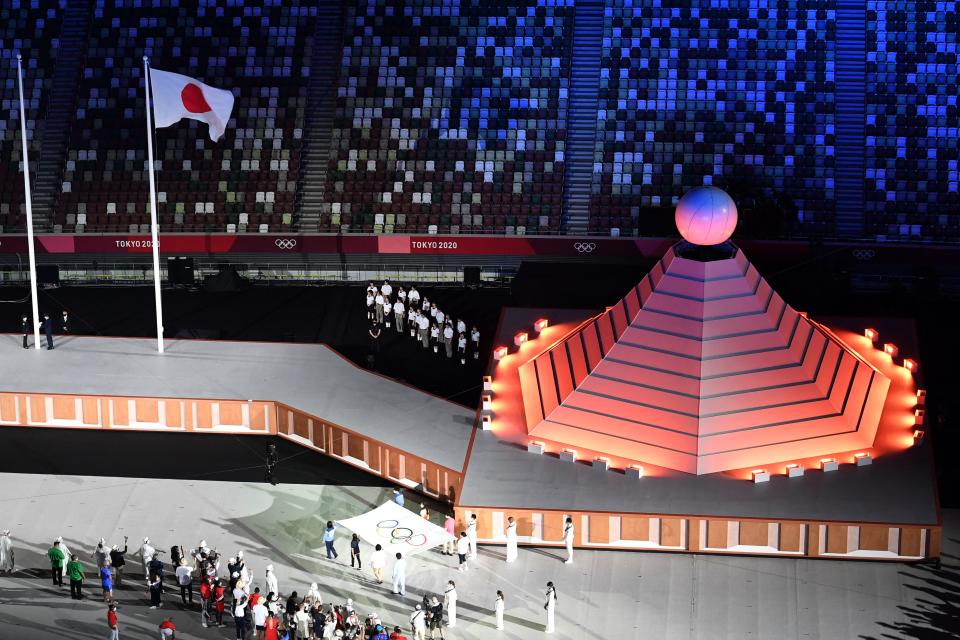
column 706, row 216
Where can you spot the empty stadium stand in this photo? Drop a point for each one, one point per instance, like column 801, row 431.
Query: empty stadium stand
column 736, row 95
column 820, row 117
column 321, row 107
column 245, row 182
column 912, row 151
column 451, row 117
column 27, row 28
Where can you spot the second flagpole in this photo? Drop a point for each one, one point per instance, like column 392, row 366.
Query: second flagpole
column 31, row 251
column 153, row 208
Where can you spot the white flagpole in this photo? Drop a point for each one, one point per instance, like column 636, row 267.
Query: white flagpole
column 26, row 190
column 153, row 209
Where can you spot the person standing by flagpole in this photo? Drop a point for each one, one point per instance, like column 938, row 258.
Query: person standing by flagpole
column 170, row 98
column 155, row 236
column 29, row 202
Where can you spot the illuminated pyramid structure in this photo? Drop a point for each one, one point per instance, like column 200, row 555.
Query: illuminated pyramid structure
column 702, row 367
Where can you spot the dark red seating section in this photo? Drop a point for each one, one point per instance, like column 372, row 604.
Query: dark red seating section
column 248, row 180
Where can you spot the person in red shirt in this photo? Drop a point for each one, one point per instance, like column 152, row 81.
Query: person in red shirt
column 112, row 622
column 397, row 634
column 168, row 629
column 206, row 592
column 271, row 629
column 255, row 598
column 218, row 591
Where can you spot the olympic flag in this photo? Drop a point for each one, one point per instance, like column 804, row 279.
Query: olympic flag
column 396, row 529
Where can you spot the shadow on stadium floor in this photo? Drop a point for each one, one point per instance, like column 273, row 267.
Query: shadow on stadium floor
column 182, row 456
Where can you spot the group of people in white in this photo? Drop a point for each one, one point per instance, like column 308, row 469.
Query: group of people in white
column 414, row 315
column 257, row 604
column 465, row 547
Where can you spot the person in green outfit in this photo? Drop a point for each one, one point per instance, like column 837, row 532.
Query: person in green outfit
column 55, row 553
column 75, row 573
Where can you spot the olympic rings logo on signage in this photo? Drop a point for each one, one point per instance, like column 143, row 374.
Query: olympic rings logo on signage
column 864, row 254
column 585, row 247
column 285, row 243
column 392, row 531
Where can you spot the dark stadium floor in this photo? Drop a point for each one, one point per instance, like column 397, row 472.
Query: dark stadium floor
column 179, row 456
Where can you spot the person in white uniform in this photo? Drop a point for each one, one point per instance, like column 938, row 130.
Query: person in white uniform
column 433, row 311
column 260, row 613
column 440, row 317
column 461, row 326
column 66, row 555
column 412, row 320
column 378, row 562
column 472, row 535
column 568, row 536
column 498, row 606
column 511, row 539
column 387, row 310
column 425, row 307
column 435, row 337
column 271, row 580
column 314, row 594
column 145, row 552
column 398, row 315
column 400, row 575
column 448, row 340
column 413, row 296
column 6, row 552
column 100, row 554
column 246, row 572
column 463, row 551
column 378, row 307
column 418, row 622
column 423, row 322
column 462, row 348
column 371, row 314
column 550, row 607
column 402, row 295
column 386, row 289
column 475, row 342
column 450, row 603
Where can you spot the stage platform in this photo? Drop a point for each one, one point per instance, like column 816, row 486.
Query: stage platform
column 312, row 396
column 305, row 392
column 885, row 510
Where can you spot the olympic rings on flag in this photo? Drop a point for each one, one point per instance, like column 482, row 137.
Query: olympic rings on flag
column 392, row 531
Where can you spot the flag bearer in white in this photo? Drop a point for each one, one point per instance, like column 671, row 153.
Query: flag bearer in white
column 400, row 576
column 568, row 537
column 176, row 97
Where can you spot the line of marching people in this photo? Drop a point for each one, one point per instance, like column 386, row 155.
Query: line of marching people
column 407, row 312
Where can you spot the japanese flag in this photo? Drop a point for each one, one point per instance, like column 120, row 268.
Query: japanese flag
column 176, row 97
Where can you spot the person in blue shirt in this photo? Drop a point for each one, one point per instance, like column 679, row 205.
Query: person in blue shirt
column 106, row 581
column 328, row 540
column 398, row 496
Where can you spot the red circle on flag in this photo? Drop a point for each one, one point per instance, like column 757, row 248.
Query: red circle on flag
column 193, row 99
